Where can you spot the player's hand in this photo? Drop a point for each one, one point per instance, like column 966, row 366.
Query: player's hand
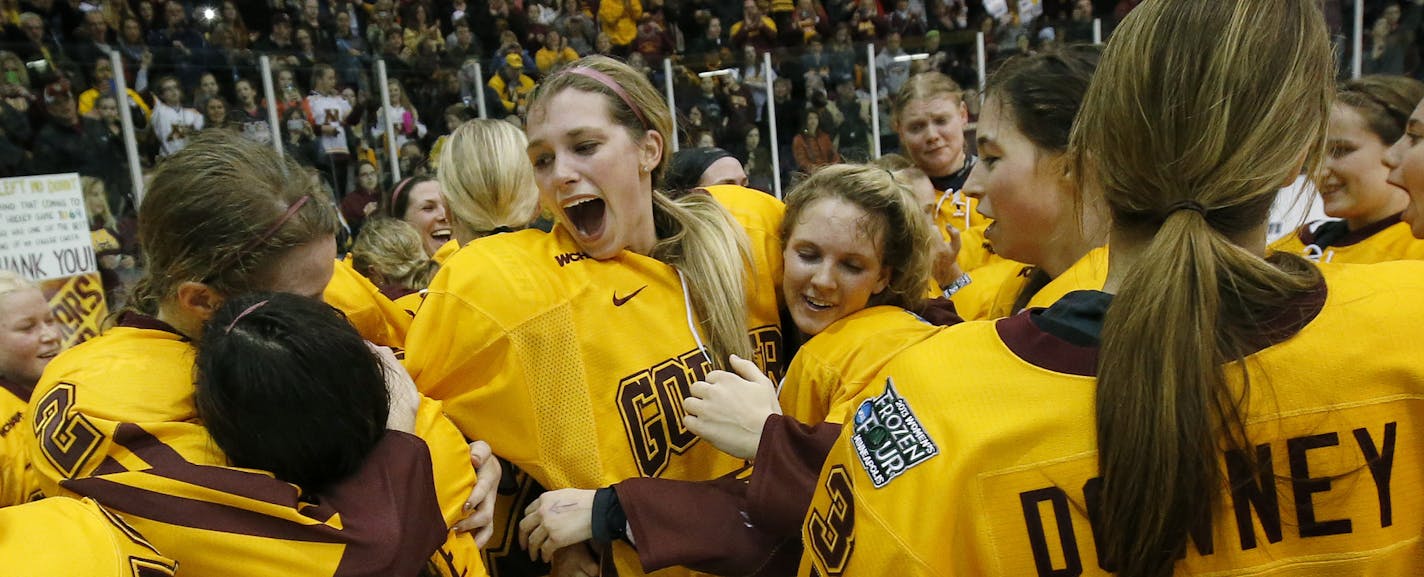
column 574, row 562
column 480, row 505
column 729, row 409
column 405, row 400
column 556, row 520
column 945, row 256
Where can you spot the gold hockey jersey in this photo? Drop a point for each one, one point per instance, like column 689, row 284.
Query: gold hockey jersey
column 63, row 537
column 573, row 369
column 113, row 419
column 18, row 481
column 991, row 471
column 1389, row 239
column 835, row 366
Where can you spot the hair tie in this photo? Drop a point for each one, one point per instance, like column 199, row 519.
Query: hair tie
column 259, row 239
column 244, row 313
column 613, row 85
column 1191, row 205
column 500, row 229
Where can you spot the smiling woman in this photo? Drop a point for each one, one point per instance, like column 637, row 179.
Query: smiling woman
column 1368, row 115
column 29, row 340
column 572, row 351
column 417, row 200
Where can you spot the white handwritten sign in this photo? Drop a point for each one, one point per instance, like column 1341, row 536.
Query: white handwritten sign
column 44, row 233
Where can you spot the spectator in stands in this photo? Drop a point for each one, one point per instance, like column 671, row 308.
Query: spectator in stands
column 866, row 22
column 216, row 115
column 709, row 42
column 298, row 138
column 361, row 201
column 420, row 28
column 556, row 51
column 331, row 114
column 35, row 43
column 304, row 49
column 462, row 44
column 906, row 22
column 172, row 122
column 512, row 85
column 241, row 36
column 15, row 129
column 103, row 85
column 223, row 58
column 754, row 77
column 207, row 88
column 619, row 20
column 816, row 64
column 843, row 57
column 653, row 41
column 853, row 130
column 1391, row 39
column 108, row 160
column 603, row 45
column 60, row 145
column 755, row 29
column 93, row 39
column 279, row 40
column 250, row 114
column 739, row 115
column 810, row 20
column 412, row 160
column 813, row 147
column 893, row 65
column 147, row 16
column 577, row 26
column 178, row 43
column 138, row 59
column 709, row 101
column 404, row 117
column 756, row 159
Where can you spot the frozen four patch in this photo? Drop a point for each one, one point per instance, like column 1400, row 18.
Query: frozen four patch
column 888, row 438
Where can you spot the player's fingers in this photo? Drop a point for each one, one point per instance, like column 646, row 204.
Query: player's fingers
column 700, row 389
column 749, row 370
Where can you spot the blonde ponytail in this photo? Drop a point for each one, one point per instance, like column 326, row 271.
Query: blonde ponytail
column 702, row 240
column 1225, row 100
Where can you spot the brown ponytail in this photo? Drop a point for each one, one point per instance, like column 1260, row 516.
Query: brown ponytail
column 1199, row 112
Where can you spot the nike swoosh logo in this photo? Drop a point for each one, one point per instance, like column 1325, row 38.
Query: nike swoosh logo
column 618, row 302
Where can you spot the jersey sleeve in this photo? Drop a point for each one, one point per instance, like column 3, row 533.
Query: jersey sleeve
column 376, row 317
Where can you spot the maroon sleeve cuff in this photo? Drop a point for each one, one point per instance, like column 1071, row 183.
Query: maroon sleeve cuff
column 389, row 509
column 788, row 462
column 700, row 525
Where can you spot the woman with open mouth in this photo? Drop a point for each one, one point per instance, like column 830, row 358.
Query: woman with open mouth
column 854, row 277
column 418, row 201
column 1369, row 114
column 571, row 351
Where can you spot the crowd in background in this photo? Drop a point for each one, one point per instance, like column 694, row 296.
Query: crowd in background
column 191, row 66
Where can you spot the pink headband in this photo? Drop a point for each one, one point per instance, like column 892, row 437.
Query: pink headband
column 257, row 240
column 613, row 85
column 245, row 312
column 396, row 194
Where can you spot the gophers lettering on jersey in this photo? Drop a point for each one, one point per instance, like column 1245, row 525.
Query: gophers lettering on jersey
column 650, row 402
column 888, row 437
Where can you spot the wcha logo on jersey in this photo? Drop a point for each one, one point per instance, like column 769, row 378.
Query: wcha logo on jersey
column 888, row 438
